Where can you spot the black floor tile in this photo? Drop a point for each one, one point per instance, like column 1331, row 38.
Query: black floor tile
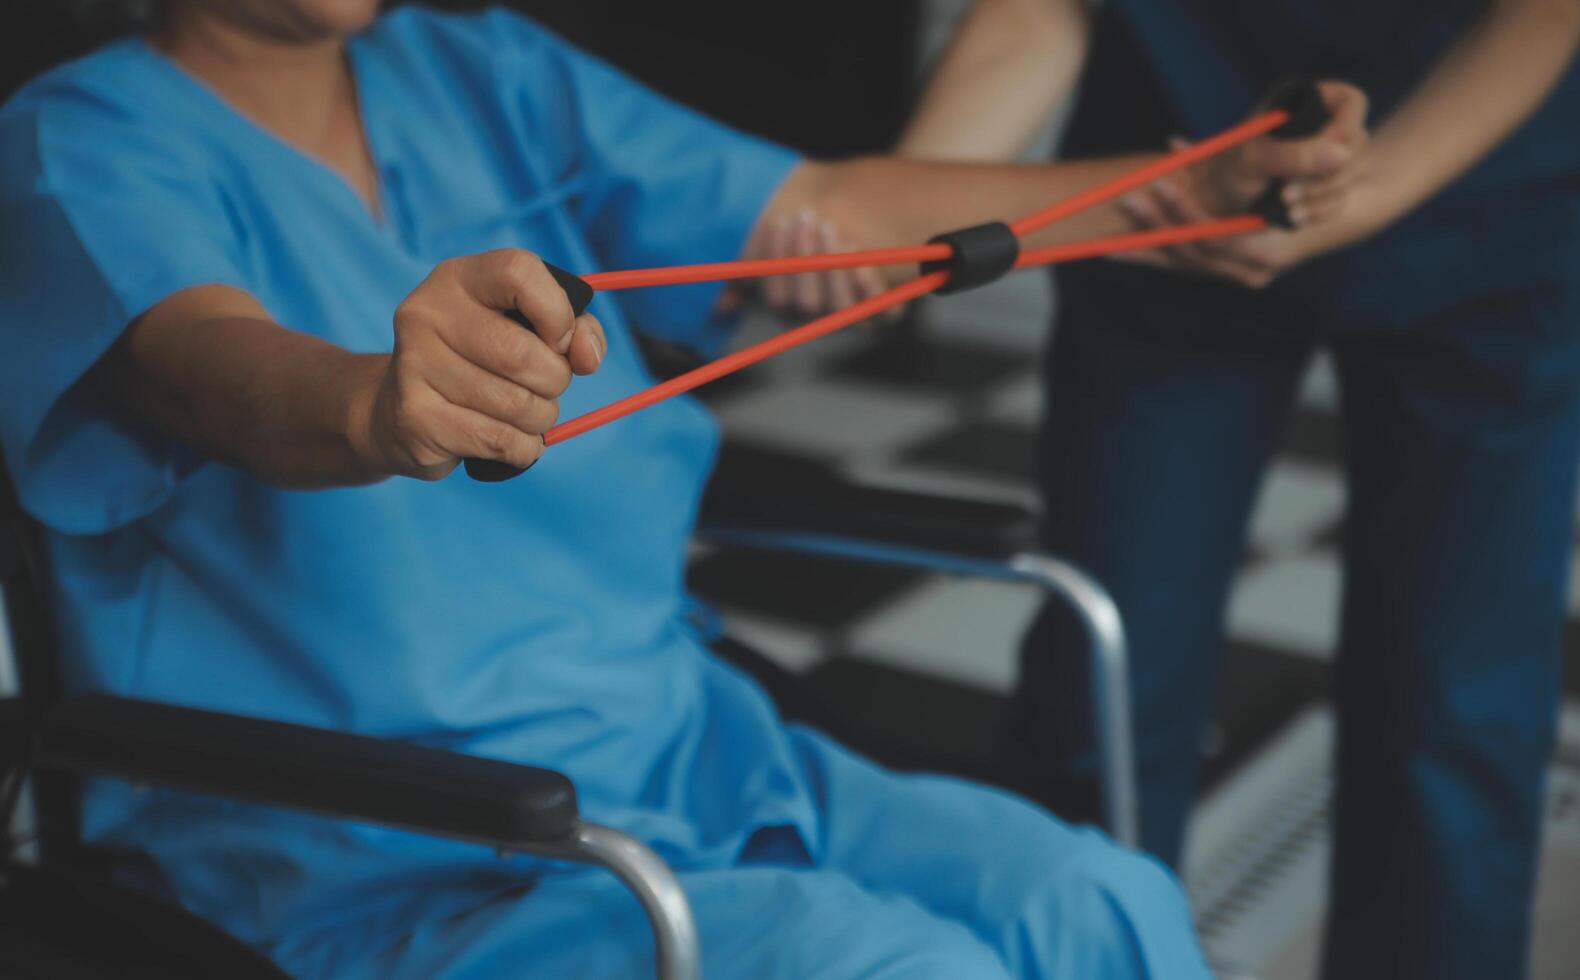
column 1571, row 668
column 911, row 720
column 716, row 392
column 980, row 448
column 667, row 360
column 1330, row 538
column 1259, row 692
column 822, row 593
column 1314, row 436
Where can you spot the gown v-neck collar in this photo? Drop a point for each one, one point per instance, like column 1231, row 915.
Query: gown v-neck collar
column 380, row 213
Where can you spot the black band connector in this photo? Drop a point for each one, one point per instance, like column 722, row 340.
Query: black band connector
column 982, row 254
column 580, row 293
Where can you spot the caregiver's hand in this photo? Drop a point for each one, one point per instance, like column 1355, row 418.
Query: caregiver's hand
column 1325, row 193
column 1321, row 166
column 465, row 379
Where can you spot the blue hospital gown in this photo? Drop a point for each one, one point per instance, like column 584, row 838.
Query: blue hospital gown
column 539, row 620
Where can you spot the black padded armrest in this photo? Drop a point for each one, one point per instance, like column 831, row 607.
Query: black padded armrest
column 354, row 777
column 758, row 490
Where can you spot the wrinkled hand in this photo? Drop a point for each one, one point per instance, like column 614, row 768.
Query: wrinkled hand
column 465, row 380
column 1324, row 176
column 811, row 293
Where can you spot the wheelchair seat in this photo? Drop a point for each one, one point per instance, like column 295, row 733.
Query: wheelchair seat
column 62, row 921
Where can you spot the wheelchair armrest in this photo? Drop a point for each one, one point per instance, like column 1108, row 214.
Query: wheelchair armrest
column 758, row 490
column 353, row 777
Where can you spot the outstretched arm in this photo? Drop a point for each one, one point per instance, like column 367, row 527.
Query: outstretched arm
column 210, row 367
column 885, row 201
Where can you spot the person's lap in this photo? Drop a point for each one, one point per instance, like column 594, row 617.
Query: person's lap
column 918, row 877
column 1052, row 900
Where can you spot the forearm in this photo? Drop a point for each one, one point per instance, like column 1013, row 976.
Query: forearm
column 250, row 393
column 886, row 201
column 1007, row 68
column 1486, row 86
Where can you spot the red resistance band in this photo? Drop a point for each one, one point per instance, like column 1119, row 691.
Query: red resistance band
column 1298, row 112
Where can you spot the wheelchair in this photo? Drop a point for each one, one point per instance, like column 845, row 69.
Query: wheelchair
column 63, row 916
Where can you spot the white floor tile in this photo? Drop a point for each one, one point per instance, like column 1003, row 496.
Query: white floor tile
column 833, row 421
column 965, row 631
column 1020, row 402
column 946, row 483
column 794, row 648
column 1320, row 387
column 1574, row 585
column 1298, row 502
column 1290, row 605
column 808, row 360
column 1013, row 314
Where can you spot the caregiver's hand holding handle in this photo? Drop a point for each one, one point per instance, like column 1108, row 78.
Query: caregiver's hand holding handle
column 1300, row 176
column 1493, row 78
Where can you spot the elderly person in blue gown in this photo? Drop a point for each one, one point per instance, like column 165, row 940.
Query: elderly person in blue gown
column 206, row 234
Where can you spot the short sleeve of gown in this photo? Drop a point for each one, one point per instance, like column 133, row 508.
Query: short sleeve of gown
column 658, row 184
column 101, row 217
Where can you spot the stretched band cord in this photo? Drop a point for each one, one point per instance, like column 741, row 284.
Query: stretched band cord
column 897, row 296
column 928, row 282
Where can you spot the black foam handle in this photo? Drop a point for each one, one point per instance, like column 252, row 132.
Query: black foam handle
column 1308, row 115
column 1302, row 99
column 580, row 294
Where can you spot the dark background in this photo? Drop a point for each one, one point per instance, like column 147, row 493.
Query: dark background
column 828, row 77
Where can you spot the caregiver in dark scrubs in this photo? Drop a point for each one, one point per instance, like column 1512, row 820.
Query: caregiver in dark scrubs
column 1447, row 288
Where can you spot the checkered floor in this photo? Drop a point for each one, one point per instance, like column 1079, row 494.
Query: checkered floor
column 950, row 404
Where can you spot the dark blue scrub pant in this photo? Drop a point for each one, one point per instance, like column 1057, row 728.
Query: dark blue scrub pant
column 1167, row 399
